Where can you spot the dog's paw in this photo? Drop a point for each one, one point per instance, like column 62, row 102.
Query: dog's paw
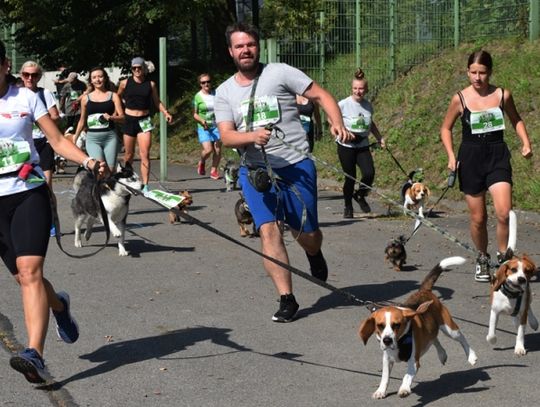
column 378, row 395
column 472, row 357
column 491, row 339
column 122, row 252
column 519, row 350
column 78, row 243
column 87, row 235
column 404, row 391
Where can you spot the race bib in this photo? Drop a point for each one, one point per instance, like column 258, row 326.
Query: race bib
column 96, row 121
column 487, row 121
column 265, row 111
column 146, row 124
column 165, row 199
column 358, row 124
column 13, row 154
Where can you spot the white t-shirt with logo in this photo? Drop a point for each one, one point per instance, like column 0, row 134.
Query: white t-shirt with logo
column 357, row 119
column 50, row 102
column 19, row 109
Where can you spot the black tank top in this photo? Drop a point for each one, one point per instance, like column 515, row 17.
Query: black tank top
column 95, row 109
column 466, row 132
column 137, row 96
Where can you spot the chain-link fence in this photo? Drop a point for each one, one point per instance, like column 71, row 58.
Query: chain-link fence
column 388, row 37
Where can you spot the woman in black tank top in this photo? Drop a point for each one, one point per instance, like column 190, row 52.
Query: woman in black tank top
column 139, row 95
column 483, row 162
column 100, row 109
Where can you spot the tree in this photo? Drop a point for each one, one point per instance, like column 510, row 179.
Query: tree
column 86, row 33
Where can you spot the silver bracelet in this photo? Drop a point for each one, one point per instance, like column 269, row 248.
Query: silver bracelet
column 86, row 161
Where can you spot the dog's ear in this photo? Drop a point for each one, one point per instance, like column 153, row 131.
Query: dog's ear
column 367, row 327
column 500, row 277
column 409, row 313
column 530, row 267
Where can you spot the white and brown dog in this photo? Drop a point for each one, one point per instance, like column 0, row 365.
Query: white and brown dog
column 511, row 292
column 416, row 196
column 406, row 332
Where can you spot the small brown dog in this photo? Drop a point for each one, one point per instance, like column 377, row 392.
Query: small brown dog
column 182, row 206
column 395, row 252
column 244, row 217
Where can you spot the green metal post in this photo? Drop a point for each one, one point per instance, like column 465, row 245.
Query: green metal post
column 357, row 50
column 271, row 46
column 392, row 40
column 163, row 97
column 456, row 23
column 263, row 51
column 534, row 20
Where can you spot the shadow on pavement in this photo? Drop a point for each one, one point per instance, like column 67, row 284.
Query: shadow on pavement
column 115, row 355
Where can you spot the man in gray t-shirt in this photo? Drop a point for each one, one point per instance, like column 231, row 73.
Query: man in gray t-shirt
column 294, row 201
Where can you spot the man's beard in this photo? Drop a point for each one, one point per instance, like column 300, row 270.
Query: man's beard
column 252, row 66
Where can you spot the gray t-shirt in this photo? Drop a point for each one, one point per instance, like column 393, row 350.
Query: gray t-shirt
column 357, row 119
column 275, row 103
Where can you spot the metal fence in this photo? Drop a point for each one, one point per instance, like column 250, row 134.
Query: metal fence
column 388, row 37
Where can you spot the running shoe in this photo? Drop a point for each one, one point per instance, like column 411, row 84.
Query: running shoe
column 53, row 231
column 348, row 212
column 318, row 266
column 30, row 363
column 482, row 273
column 145, row 189
column 200, row 168
column 66, row 326
column 361, row 199
column 288, row 307
column 214, row 173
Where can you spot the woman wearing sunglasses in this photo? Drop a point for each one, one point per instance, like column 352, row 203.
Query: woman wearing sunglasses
column 139, row 93
column 203, row 113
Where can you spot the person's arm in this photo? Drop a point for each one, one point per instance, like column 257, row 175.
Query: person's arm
column 121, row 88
column 159, row 104
column 317, row 121
column 518, row 123
column 234, row 139
column 82, row 121
column 197, row 117
column 446, row 130
column 375, row 130
column 118, row 115
column 65, row 147
column 323, row 98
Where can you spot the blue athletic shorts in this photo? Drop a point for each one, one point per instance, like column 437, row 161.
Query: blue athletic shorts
column 212, row 134
column 263, row 205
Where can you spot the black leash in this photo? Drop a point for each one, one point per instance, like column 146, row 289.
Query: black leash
column 397, row 162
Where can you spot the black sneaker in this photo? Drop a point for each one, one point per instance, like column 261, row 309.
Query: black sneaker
column 361, row 199
column 348, row 212
column 30, row 364
column 317, row 265
column 66, row 326
column 482, row 273
column 288, row 307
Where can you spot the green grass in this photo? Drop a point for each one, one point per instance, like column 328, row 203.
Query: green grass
column 409, row 113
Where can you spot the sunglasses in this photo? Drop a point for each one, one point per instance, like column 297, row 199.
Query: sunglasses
column 136, row 68
column 205, row 82
column 32, row 75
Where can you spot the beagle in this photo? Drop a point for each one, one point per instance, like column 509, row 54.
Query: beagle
column 416, row 195
column 406, row 332
column 511, row 293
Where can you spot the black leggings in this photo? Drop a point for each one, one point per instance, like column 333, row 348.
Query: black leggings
column 25, row 224
column 350, row 158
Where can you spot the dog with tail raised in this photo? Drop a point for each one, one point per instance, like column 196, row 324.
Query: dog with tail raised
column 406, row 332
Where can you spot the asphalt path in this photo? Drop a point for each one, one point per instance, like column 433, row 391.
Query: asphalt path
column 185, row 320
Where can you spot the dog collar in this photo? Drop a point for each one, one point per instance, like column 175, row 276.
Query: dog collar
column 510, row 292
column 405, row 344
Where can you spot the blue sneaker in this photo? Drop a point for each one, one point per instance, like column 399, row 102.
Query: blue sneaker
column 30, row 364
column 53, row 231
column 66, row 326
